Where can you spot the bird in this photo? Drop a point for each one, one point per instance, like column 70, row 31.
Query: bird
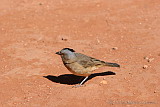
column 80, row 64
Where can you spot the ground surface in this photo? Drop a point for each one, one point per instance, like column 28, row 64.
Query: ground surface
column 32, row 75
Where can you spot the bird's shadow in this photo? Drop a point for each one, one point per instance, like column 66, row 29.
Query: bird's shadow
column 71, row 79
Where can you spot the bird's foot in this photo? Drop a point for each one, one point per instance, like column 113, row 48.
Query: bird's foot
column 77, row 86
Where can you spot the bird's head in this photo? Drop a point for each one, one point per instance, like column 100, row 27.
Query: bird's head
column 65, row 51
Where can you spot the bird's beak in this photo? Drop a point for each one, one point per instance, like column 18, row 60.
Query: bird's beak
column 58, row 53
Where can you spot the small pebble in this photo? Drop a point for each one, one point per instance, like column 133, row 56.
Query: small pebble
column 98, row 40
column 64, row 39
column 150, row 60
column 145, row 66
column 98, row 5
column 5, row 66
column 115, row 48
column 146, row 58
column 103, row 82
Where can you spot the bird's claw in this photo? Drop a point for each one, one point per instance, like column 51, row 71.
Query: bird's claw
column 77, row 86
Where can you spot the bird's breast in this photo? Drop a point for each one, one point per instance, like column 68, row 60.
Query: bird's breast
column 77, row 69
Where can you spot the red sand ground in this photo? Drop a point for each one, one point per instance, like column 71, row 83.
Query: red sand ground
column 31, row 31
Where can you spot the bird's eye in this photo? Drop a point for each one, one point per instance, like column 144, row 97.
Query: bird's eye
column 60, row 53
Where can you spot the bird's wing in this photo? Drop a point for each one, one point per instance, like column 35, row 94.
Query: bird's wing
column 87, row 61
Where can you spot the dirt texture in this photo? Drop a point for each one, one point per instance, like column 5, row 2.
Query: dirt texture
column 126, row 32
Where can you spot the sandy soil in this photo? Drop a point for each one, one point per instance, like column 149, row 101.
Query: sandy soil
column 32, row 75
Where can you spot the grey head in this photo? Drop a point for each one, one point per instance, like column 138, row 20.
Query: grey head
column 67, row 54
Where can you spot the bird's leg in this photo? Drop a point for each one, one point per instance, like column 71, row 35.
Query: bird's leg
column 79, row 85
column 83, row 80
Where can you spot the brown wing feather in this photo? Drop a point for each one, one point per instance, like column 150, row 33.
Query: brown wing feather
column 87, row 61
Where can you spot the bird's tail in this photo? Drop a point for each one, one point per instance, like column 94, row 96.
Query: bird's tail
column 112, row 64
